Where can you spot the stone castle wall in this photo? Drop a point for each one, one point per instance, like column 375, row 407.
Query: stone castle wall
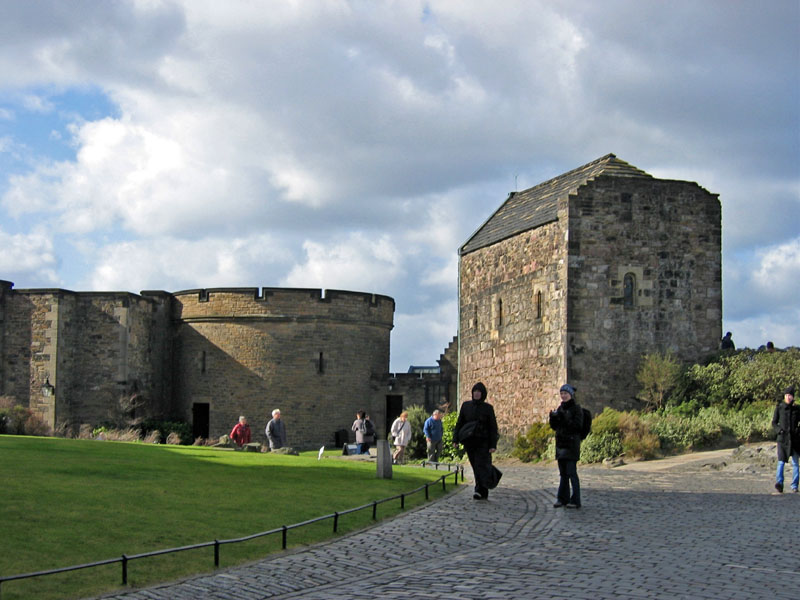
column 512, row 319
column 548, row 305
column 666, row 236
column 94, row 348
column 318, row 359
column 237, row 351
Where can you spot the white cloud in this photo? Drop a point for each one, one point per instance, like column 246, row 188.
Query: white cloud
column 778, row 328
column 422, row 337
column 779, row 273
column 357, row 263
column 171, row 264
column 28, row 255
column 38, row 104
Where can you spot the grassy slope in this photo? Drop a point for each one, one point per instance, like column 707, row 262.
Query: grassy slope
column 67, row 502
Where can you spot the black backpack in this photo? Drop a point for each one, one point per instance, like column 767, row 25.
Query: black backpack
column 369, row 428
column 586, row 429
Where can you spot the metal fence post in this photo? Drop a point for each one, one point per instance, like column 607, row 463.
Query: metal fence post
column 124, row 570
column 216, row 553
column 426, row 492
column 402, row 501
column 284, row 537
column 375, row 510
column 335, row 521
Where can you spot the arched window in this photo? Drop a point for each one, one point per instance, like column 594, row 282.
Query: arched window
column 629, row 290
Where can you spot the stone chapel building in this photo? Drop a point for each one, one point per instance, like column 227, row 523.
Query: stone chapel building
column 576, row 279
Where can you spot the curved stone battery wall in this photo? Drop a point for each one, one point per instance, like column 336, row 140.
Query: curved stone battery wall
column 318, row 357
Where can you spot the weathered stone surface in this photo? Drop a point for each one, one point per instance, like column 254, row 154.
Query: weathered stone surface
column 548, row 304
column 384, row 461
column 230, row 352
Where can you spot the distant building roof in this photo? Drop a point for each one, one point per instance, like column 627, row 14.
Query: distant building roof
column 538, row 205
column 418, row 370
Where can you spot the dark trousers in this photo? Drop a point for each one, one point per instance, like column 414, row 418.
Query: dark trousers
column 481, row 461
column 568, row 470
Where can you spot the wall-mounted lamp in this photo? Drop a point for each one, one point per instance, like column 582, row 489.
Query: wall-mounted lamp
column 48, row 389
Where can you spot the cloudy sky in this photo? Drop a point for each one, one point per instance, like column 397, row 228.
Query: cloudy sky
column 173, row 145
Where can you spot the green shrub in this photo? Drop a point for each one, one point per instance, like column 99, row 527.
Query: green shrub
column 533, row 445
column 598, row 446
column 739, row 378
column 16, row 419
column 637, row 439
column 449, row 452
column 658, row 374
column 417, row 448
column 606, row 422
column 671, row 430
column 180, row 428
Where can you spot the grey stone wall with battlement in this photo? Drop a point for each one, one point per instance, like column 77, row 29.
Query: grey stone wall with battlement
column 206, row 356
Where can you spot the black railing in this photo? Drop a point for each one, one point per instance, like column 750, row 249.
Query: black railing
column 283, row 530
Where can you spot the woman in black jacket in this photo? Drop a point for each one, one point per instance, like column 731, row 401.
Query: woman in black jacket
column 567, row 422
column 476, row 429
column 786, row 423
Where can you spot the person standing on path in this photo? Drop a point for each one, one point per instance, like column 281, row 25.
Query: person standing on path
column 434, row 432
column 401, row 431
column 240, row 434
column 276, row 431
column 567, row 422
column 476, row 430
column 786, row 423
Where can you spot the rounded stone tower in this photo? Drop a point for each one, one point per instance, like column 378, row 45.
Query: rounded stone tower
column 317, row 356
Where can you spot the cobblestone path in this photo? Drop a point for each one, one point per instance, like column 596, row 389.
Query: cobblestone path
column 690, row 534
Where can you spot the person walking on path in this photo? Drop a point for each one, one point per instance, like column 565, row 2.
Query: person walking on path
column 786, row 423
column 276, row 431
column 401, row 431
column 365, row 432
column 240, row 434
column 434, row 431
column 567, row 422
column 476, row 430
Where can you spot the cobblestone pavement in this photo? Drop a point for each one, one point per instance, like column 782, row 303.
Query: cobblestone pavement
column 691, row 533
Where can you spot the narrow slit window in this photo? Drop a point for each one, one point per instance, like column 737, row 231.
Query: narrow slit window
column 539, row 304
column 629, row 290
column 321, row 364
column 499, row 313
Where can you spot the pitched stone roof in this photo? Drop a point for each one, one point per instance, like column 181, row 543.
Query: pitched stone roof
column 538, row 205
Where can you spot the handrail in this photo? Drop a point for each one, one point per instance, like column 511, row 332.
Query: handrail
column 124, row 559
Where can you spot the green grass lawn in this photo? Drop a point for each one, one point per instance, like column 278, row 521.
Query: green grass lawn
column 69, row 502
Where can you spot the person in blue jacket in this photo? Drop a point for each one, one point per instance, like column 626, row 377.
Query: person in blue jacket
column 434, row 431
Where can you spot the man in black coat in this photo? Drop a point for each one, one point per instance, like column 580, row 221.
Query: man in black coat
column 476, row 429
column 567, row 422
column 786, row 423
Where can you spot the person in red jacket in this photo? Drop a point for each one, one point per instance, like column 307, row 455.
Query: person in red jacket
column 240, row 434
